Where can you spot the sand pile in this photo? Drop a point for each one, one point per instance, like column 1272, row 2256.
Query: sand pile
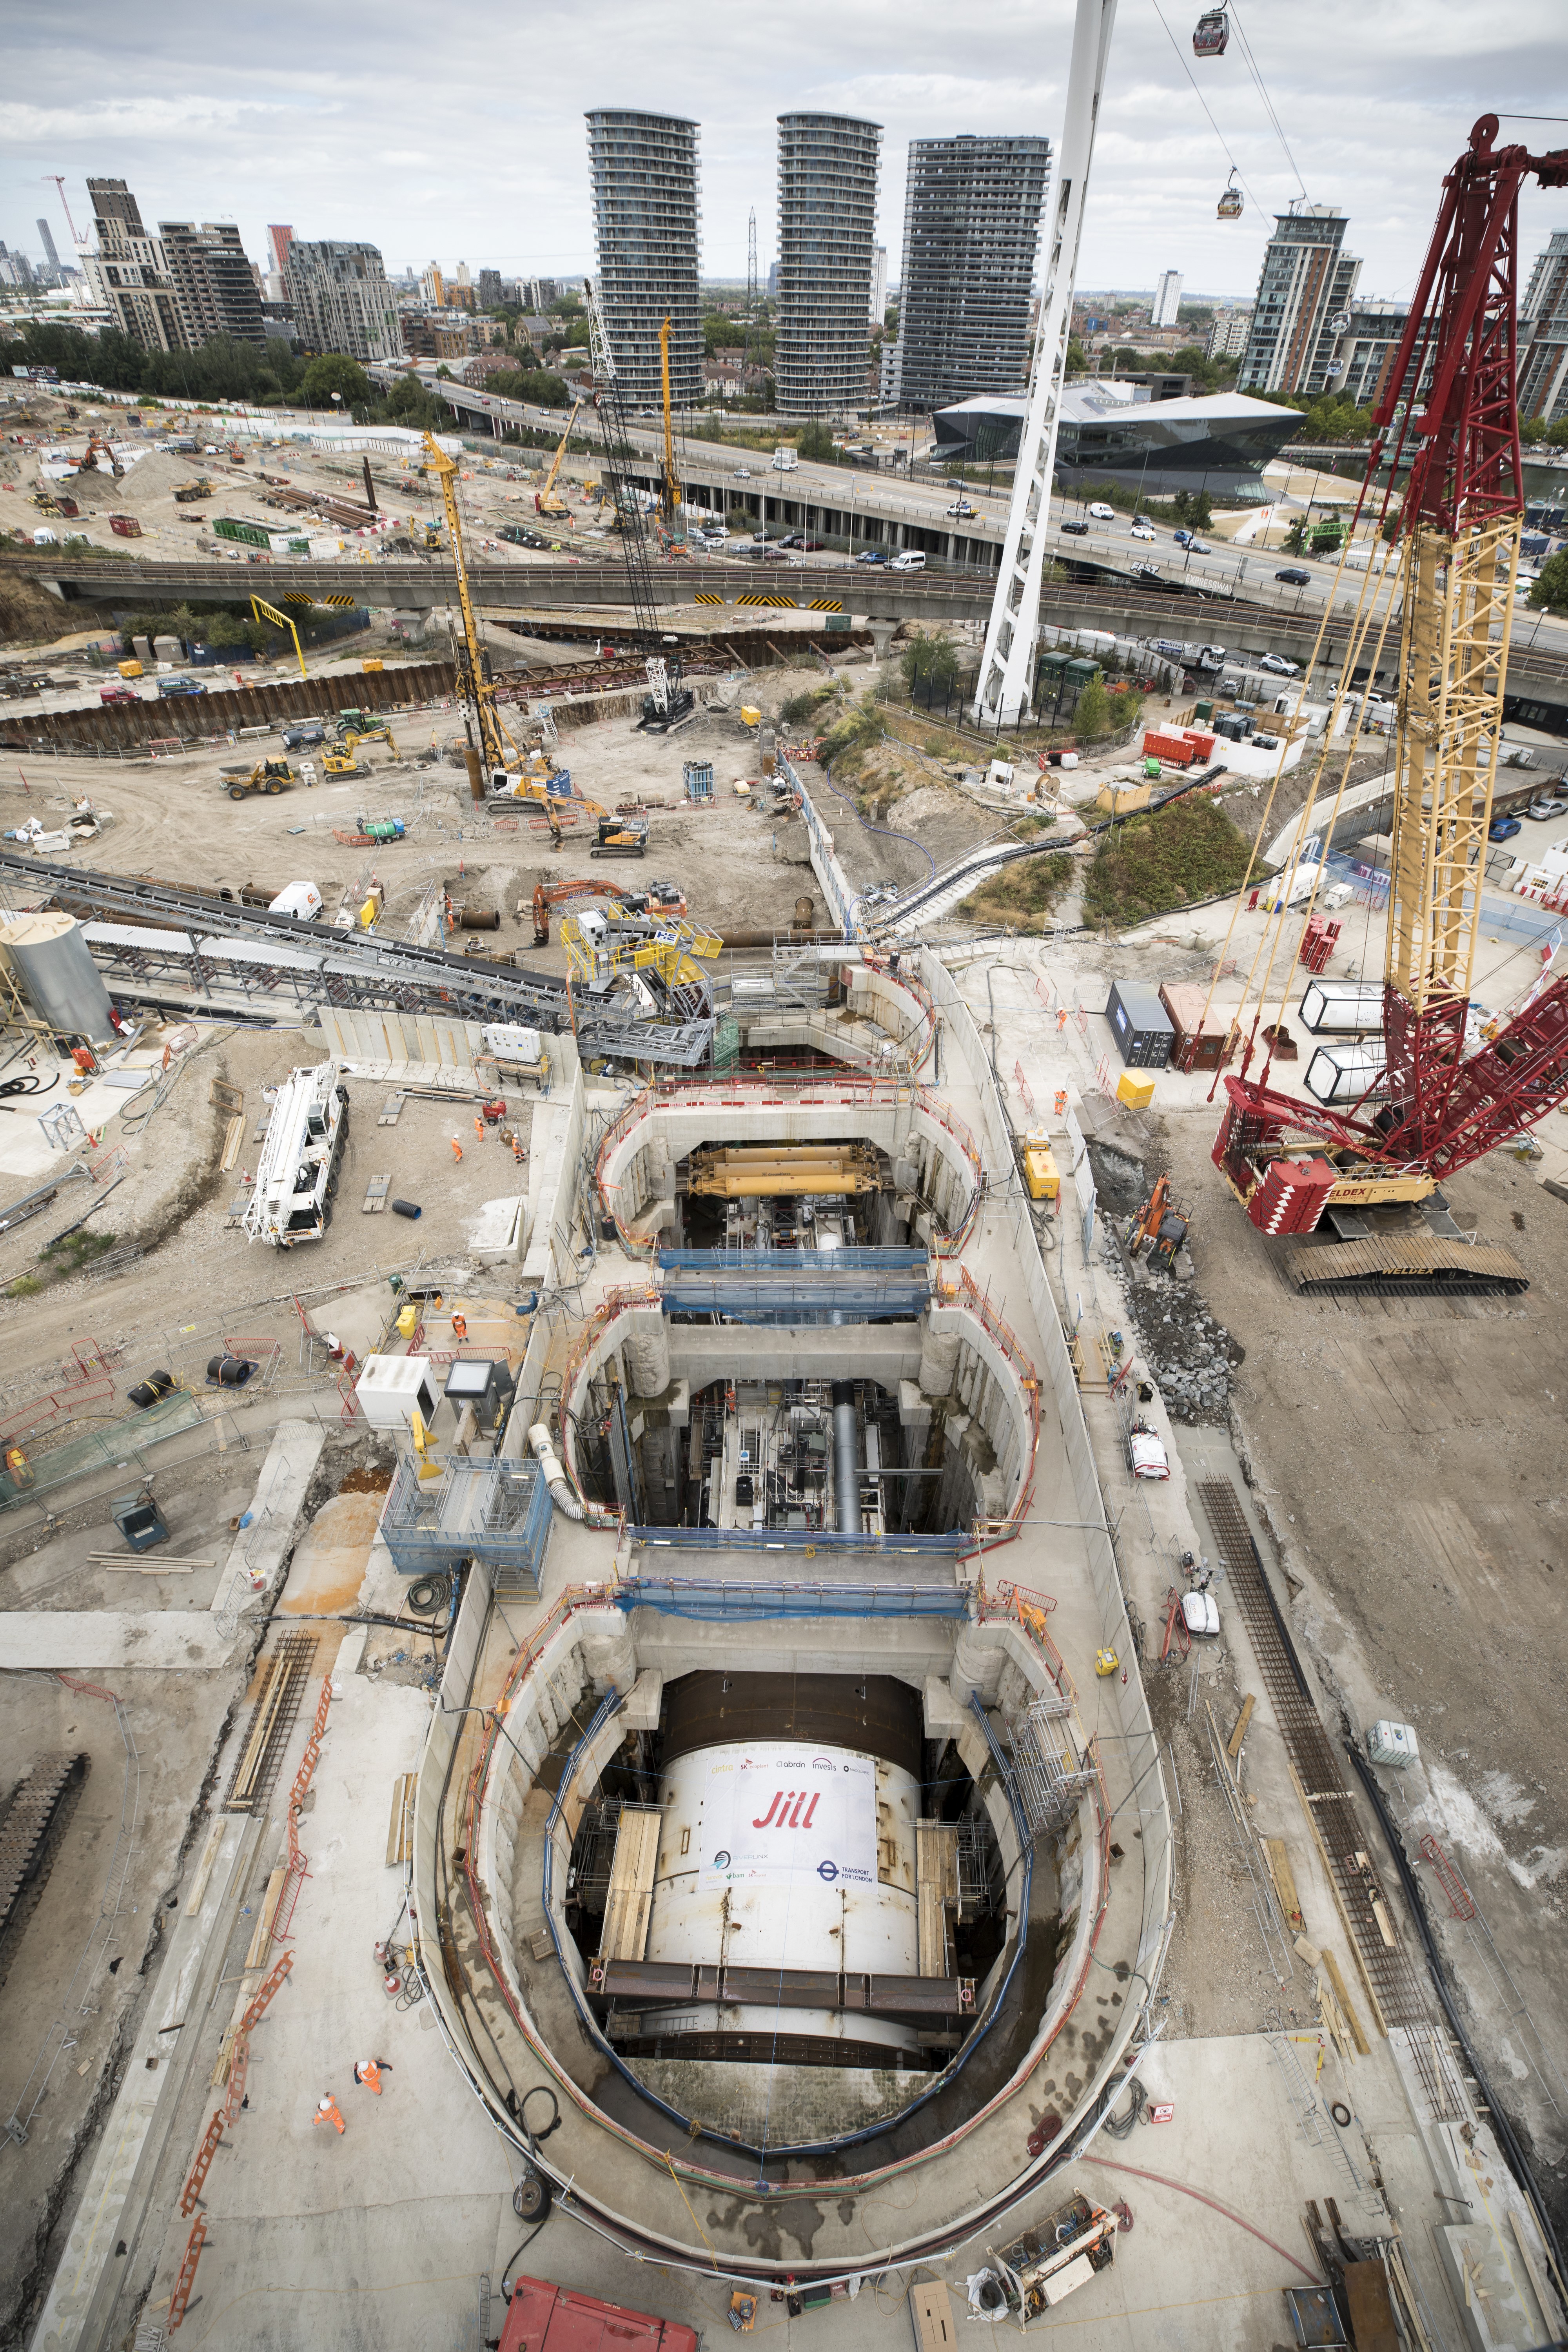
column 156, row 476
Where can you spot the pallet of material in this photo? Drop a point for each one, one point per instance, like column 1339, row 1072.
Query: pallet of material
column 1416, row 1266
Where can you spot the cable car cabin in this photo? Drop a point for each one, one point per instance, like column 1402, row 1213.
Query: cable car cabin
column 1230, row 206
column 1212, row 34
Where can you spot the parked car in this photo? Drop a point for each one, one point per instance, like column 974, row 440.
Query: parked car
column 806, row 546
column 871, row 555
column 962, row 508
column 304, row 735
column 1294, row 577
column 1078, row 529
column 772, row 555
column 1277, row 664
column 169, row 688
column 1142, row 530
column 1102, row 513
column 117, row 691
column 1503, row 828
column 1546, row 805
column 909, row 559
column 742, row 473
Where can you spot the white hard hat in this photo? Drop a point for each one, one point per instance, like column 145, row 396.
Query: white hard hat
column 325, row 2103
column 364, row 2063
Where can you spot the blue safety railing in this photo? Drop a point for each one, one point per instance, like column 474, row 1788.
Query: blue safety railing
column 674, row 1596
column 856, row 1259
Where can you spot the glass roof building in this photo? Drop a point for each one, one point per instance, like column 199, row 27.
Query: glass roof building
column 1113, row 433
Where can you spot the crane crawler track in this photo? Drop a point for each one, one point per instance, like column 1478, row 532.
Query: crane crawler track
column 1424, row 1266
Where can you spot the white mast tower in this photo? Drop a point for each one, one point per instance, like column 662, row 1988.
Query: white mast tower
column 1007, row 664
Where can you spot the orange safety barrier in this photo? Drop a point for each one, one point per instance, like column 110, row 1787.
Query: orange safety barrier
column 212, row 2140
column 180, row 2297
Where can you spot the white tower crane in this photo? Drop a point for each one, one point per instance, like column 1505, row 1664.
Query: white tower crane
column 1007, row 664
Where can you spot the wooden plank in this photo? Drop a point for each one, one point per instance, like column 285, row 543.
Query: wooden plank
column 1377, row 2016
column 143, row 1567
column 1284, row 1881
column 1347, row 2009
column 375, row 1195
column 936, row 1889
column 223, row 1096
column 262, row 1936
column 205, row 1868
column 931, row 2310
column 1549, row 2323
column 392, row 1110
column 628, row 1908
column 234, row 1137
column 1232, row 1745
column 398, row 1829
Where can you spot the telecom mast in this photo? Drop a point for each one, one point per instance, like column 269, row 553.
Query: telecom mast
column 1007, row 664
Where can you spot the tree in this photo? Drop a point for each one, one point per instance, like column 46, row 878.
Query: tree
column 1091, row 713
column 929, row 665
column 408, row 403
column 1532, row 429
column 1550, row 593
column 332, row 373
column 816, row 444
column 1557, row 434
column 544, row 390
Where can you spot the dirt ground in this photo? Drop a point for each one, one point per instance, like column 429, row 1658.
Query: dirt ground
column 1408, row 1457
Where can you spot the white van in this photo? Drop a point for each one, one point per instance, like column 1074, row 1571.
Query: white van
column 300, row 900
column 785, row 461
column 1103, row 513
column 912, row 558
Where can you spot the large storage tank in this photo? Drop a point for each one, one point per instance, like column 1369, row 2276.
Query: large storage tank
column 54, row 964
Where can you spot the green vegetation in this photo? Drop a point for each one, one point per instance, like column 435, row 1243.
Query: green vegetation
column 814, row 442
column 1173, row 856
column 1024, row 895
column 71, row 1252
column 26, row 1286
column 1091, row 712
column 853, row 734
column 331, row 377
column 802, row 706
column 536, row 386
column 1550, row 593
column 930, row 666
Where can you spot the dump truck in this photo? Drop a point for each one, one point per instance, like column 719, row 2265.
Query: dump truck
column 265, row 776
column 297, row 1175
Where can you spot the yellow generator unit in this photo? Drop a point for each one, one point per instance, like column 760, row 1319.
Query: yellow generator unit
column 1040, row 1169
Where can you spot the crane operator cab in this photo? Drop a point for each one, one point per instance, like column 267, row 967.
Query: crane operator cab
column 1230, row 206
column 1211, row 35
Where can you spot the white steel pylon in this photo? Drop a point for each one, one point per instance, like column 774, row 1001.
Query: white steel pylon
column 1007, row 664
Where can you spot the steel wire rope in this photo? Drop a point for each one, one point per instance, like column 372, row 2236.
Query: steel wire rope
column 1203, row 101
column 1252, row 69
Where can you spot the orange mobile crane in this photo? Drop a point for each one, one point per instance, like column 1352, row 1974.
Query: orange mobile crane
column 1445, row 1094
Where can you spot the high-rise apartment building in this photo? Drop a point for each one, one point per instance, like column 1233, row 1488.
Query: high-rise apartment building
column 645, row 217
column 971, row 234
column 826, row 229
column 50, row 256
column 1228, row 331
column 1543, row 334
column 212, row 278
column 433, row 288
column 1167, row 304
column 129, row 272
column 279, row 237
column 1304, row 290
column 341, row 299
column 489, row 288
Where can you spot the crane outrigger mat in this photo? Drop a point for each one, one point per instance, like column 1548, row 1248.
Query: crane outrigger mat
column 1416, row 1266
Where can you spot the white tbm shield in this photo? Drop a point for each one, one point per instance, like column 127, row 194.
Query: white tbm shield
column 788, row 1813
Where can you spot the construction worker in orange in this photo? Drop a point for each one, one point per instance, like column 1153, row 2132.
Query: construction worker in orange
column 457, row 1150
column 479, row 1126
column 460, row 1326
column 328, row 2112
column 518, row 1153
column 368, row 2073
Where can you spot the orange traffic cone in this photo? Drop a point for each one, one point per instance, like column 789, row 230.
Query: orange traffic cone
column 328, row 2112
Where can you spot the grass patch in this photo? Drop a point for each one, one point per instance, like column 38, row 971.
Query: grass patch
column 801, row 706
column 71, row 1252
column 26, row 1286
column 1154, row 864
column 1022, row 896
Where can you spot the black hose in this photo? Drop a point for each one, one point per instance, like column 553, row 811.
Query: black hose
column 1508, row 2138
column 1140, row 2098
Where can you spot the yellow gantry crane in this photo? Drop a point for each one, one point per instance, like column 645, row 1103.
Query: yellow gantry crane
column 488, row 755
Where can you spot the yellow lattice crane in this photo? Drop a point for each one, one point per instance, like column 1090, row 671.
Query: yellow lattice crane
column 669, row 500
column 489, row 756
column 546, row 500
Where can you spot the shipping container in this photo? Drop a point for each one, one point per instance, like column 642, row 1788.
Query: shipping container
column 1345, row 1074
column 1139, row 1025
column 1196, row 1046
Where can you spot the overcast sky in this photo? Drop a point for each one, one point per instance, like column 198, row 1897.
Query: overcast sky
column 461, row 137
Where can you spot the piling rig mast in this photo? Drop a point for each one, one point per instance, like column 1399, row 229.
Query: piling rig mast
column 1460, row 527
column 487, row 756
column 626, row 491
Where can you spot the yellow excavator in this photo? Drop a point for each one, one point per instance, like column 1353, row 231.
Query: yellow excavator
column 546, row 500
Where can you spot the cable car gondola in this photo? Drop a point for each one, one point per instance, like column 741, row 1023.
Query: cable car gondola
column 1230, row 206
column 1212, row 34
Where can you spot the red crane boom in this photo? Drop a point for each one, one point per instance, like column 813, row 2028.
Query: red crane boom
column 1460, row 528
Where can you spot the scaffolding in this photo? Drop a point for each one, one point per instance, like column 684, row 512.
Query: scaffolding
column 1050, row 1772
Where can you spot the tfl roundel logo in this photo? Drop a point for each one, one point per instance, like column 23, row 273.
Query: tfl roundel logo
column 827, row 1870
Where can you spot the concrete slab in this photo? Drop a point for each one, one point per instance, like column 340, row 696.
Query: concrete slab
column 47, row 1641
column 258, row 1551
column 328, row 1564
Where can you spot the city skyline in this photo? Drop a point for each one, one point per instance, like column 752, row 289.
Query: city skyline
column 1372, row 127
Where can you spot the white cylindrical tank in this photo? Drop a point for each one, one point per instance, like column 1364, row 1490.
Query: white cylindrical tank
column 781, row 1853
column 54, row 964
